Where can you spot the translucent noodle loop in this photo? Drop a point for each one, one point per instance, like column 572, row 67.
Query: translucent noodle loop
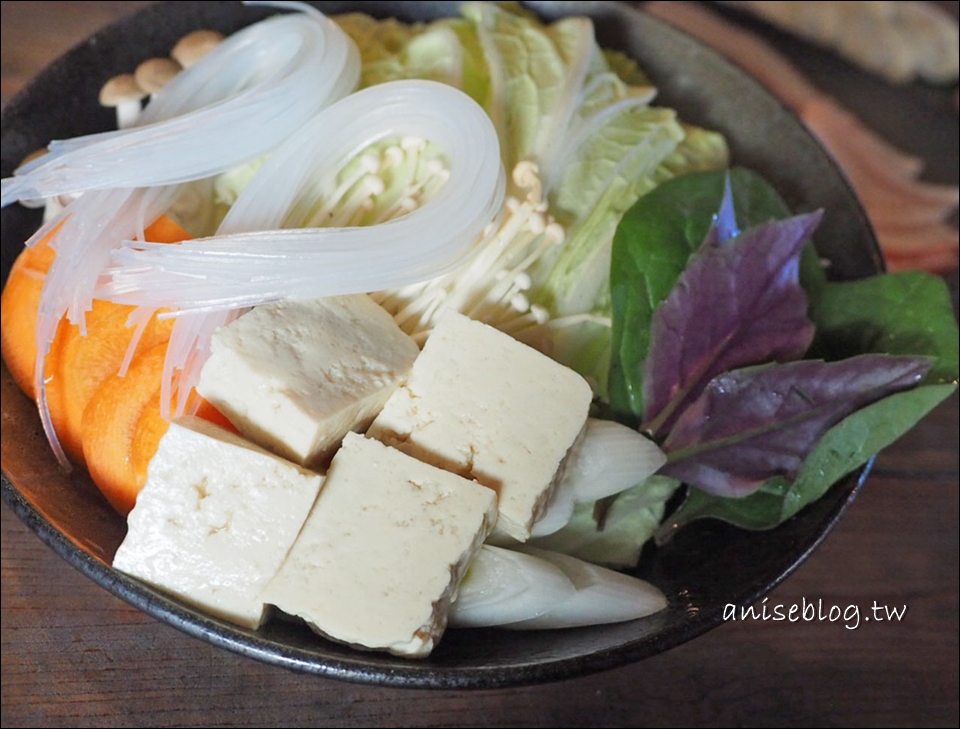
column 249, row 262
column 252, row 90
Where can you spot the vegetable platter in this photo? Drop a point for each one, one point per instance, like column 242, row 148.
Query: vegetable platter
column 701, row 569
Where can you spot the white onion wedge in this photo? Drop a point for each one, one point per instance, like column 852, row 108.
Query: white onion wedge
column 505, row 586
column 529, row 588
column 610, row 458
column 602, row 596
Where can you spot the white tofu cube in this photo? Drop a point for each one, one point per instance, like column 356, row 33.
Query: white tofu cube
column 381, row 556
column 295, row 376
column 215, row 520
column 481, row 404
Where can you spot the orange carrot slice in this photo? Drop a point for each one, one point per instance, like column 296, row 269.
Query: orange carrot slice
column 207, row 411
column 80, row 364
column 76, row 365
column 151, row 427
column 110, row 423
column 165, row 230
column 18, row 312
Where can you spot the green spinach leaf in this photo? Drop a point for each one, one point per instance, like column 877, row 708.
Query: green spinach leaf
column 903, row 313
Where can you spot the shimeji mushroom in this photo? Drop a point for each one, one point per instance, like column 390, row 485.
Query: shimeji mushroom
column 126, row 91
column 125, row 95
column 194, row 46
column 155, row 73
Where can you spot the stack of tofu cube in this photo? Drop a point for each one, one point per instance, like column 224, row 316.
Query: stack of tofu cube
column 464, row 438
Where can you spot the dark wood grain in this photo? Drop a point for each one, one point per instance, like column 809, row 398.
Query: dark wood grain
column 73, row 654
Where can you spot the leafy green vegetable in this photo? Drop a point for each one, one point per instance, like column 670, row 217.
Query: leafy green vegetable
column 701, row 150
column 611, row 170
column 906, row 314
column 476, row 75
column 594, row 139
column 579, row 143
column 535, row 75
column 626, row 68
column 647, row 134
column 616, row 539
column 843, row 449
column 651, row 248
column 392, row 50
column 902, row 313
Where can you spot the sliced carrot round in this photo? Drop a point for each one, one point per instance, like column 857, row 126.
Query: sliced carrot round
column 151, row 427
column 165, row 230
column 110, row 424
column 79, row 364
column 19, row 305
column 76, row 364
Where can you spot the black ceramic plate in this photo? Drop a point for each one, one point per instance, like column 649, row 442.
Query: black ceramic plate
column 706, row 567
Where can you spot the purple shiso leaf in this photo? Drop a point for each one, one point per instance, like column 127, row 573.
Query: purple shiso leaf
column 759, row 422
column 724, row 225
column 735, row 305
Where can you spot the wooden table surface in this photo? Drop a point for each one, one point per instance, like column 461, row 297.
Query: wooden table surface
column 72, row 654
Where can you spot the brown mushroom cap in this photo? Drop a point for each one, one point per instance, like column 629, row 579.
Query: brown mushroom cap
column 120, row 89
column 194, row 46
column 35, row 154
column 155, row 73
